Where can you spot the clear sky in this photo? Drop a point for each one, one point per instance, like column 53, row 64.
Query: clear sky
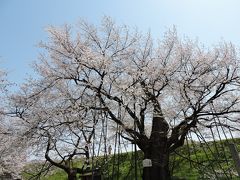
column 22, row 23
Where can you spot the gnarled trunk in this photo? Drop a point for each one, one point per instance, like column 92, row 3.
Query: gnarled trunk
column 156, row 149
column 159, row 168
column 72, row 174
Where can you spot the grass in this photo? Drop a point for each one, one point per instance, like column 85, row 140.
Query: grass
column 215, row 160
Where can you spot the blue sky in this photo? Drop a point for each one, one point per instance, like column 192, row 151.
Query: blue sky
column 22, row 23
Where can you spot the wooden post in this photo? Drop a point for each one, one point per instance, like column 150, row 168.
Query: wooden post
column 235, row 156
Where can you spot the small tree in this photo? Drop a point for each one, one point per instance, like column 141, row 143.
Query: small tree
column 58, row 123
column 11, row 143
column 174, row 86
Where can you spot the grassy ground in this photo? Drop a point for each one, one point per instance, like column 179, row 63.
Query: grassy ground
column 207, row 161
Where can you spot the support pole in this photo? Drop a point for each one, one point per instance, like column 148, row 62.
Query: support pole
column 235, row 156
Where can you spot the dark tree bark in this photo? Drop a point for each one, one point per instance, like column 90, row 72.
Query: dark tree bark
column 160, row 163
column 157, row 149
column 72, row 174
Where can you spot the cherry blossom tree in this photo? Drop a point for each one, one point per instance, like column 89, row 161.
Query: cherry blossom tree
column 12, row 152
column 10, row 141
column 173, row 86
column 57, row 123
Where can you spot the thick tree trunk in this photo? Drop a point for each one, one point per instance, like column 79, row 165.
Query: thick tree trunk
column 159, row 168
column 72, row 175
column 156, row 149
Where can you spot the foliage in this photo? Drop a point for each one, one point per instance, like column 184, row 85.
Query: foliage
column 154, row 95
column 11, row 140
